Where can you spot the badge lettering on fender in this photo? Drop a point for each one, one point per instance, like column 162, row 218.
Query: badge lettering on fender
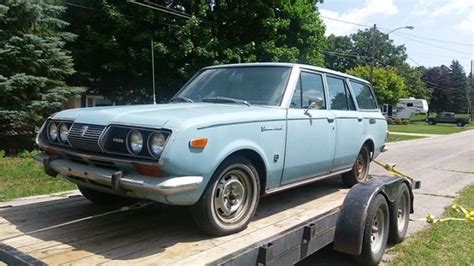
column 276, row 128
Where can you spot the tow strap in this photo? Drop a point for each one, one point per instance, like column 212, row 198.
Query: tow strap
column 468, row 214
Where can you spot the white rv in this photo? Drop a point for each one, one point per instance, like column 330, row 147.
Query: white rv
column 405, row 108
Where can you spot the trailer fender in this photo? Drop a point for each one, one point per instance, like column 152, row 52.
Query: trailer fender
column 350, row 223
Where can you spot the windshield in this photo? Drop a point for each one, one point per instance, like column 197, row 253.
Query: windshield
column 262, row 85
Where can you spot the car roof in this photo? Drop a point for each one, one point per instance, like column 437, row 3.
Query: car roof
column 310, row 67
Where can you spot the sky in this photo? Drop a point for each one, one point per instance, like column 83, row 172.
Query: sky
column 449, row 22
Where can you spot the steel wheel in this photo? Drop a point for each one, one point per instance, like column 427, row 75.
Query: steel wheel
column 230, row 199
column 402, row 212
column 361, row 167
column 232, row 195
column 377, row 231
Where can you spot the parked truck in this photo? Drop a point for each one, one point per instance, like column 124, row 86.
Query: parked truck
column 448, row 117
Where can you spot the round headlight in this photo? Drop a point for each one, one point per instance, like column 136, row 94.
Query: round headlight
column 157, row 143
column 63, row 133
column 53, row 131
column 135, row 141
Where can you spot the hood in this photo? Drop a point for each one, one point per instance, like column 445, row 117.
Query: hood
column 171, row 115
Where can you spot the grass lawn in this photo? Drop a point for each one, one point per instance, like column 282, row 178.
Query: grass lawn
column 444, row 243
column 22, row 177
column 394, row 138
column 424, row 128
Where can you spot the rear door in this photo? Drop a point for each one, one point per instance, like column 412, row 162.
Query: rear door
column 349, row 123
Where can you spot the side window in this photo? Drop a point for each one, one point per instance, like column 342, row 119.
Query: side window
column 364, row 97
column 339, row 95
column 309, row 89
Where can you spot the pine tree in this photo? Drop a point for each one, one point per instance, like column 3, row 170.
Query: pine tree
column 33, row 64
column 459, row 85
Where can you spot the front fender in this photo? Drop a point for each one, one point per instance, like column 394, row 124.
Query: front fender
column 352, row 217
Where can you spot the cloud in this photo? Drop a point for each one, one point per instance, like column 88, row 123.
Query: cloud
column 356, row 15
column 467, row 25
column 451, row 7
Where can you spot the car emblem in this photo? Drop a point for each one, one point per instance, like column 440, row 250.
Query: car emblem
column 84, row 130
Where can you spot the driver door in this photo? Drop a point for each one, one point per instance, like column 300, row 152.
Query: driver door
column 310, row 134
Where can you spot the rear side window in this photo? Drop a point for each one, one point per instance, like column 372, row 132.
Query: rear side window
column 364, row 97
column 339, row 94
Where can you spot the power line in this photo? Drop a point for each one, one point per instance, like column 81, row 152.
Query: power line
column 162, row 9
column 127, row 16
column 433, row 45
column 436, row 40
column 398, row 33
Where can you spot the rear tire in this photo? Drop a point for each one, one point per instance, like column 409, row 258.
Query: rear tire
column 460, row 124
column 376, row 232
column 230, row 199
column 105, row 199
column 360, row 169
column 431, row 122
column 400, row 215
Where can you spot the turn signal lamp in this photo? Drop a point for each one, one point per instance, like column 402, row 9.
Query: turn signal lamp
column 199, row 143
column 148, row 170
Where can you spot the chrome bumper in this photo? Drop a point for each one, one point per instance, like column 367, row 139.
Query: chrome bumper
column 117, row 180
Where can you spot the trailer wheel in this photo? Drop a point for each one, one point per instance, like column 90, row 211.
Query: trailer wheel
column 101, row 198
column 360, row 169
column 375, row 232
column 230, row 199
column 400, row 215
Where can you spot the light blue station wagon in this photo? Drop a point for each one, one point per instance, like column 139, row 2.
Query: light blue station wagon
column 232, row 134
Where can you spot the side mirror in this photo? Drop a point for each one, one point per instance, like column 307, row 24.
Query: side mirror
column 310, row 106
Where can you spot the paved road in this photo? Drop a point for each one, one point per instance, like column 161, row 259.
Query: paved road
column 444, row 165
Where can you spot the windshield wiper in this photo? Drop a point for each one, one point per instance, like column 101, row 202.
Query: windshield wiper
column 220, row 99
column 181, row 99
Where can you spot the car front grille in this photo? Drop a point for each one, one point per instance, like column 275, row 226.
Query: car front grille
column 85, row 137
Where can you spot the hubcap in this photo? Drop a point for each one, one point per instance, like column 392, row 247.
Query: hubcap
column 402, row 212
column 377, row 231
column 232, row 196
column 360, row 167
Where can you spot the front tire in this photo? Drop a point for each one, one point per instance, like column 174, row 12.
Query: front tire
column 431, row 122
column 400, row 215
column 375, row 232
column 360, row 169
column 230, row 199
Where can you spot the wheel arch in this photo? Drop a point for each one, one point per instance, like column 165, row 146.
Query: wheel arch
column 371, row 145
column 255, row 157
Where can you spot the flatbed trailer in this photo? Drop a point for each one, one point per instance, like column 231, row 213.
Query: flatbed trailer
column 287, row 228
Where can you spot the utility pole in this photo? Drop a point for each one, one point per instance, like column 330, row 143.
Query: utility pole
column 153, row 71
column 372, row 65
column 471, row 90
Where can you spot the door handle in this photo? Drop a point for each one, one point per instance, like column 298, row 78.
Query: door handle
column 372, row 121
column 331, row 120
column 359, row 119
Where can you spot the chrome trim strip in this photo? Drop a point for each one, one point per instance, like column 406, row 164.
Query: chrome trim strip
column 242, row 122
column 304, row 182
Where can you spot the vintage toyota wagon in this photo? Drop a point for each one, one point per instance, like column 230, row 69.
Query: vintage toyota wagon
column 232, row 134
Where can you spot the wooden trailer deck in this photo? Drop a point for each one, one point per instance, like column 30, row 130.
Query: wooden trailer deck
column 152, row 235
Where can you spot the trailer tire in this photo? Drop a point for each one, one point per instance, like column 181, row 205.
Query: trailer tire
column 360, row 169
column 105, row 199
column 230, row 199
column 400, row 215
column 376, row 231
